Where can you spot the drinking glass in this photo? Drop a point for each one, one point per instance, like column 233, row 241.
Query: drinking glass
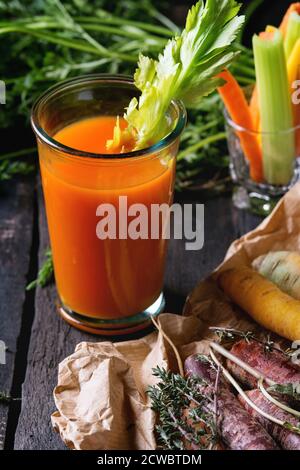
column 114, row 285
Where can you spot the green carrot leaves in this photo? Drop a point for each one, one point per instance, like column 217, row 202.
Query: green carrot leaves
column 186, row 69
column 45, row 273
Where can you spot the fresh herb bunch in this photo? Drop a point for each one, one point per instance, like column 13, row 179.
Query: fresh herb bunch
column 52, row 40
column 184, row 420
column 45, row 42
column 202, row 162
column 49, row 41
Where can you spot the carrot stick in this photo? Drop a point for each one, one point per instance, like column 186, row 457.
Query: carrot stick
column 263, row 301
column 254, row 109
column 284, row 23
column 239, row 111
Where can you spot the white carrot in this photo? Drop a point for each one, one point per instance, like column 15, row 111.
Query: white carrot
column 282, row 268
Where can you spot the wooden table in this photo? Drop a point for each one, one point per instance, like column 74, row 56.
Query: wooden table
column 37, row 339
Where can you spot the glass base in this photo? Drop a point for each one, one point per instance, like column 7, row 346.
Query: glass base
column 259, row 204
column 113, row 327
column 258, row 198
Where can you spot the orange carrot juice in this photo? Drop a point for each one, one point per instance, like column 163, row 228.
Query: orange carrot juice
column 113, row 282
column 102, row 278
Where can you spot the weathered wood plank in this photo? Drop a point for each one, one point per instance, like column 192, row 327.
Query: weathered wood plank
column 222, row 225
column 52, row 340
column 16, row 224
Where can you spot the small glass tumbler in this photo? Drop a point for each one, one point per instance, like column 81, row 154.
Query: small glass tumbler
column 259, row 197
column 109, row 285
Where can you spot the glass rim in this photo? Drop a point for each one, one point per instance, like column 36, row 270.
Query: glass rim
column 113, row 79
column 239, row 128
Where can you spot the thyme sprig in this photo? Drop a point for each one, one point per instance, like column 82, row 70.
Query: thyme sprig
column 231, row 334
column 184, row 415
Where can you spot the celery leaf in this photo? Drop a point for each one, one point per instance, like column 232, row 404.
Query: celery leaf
column 186, row 69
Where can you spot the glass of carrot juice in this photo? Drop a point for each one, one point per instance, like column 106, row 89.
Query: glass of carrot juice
column 112, row 284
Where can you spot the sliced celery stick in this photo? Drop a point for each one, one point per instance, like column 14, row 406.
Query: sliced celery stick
column 292, row 33
column 275, row 103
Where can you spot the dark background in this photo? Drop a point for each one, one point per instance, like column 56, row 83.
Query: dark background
column 267, row 12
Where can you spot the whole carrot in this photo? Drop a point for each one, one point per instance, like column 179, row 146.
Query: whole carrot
column 282, row 268
column 263, row 301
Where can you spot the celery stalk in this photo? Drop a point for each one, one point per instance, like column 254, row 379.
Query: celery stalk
column 292, row 33
column 278, row 143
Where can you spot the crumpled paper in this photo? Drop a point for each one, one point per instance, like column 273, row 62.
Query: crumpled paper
column 100, row 397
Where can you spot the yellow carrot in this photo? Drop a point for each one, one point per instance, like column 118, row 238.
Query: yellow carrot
column 294, row 63
column 263, row 301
